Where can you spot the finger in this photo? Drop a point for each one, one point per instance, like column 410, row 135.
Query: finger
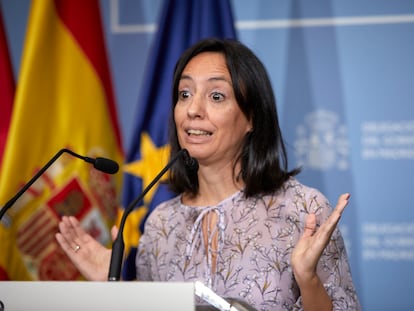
column 310, row 225
column 342, row 202
column 80, row 235
column 337, row 212
column 114, row 232
column 65, row 229
column 64, row 244
column 330, row 224
column 67, row 235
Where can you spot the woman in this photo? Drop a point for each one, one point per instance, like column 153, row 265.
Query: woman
column 242, row 225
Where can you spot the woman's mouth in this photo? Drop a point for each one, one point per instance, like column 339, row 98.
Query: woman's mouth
column 198, row 133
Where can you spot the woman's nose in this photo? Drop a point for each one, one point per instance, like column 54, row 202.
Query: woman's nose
column 195, row 109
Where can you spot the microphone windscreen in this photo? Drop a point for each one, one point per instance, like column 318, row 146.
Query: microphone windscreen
column 106, row 165
column 191, row 163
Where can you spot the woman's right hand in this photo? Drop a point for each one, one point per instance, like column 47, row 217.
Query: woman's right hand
column 88, row 255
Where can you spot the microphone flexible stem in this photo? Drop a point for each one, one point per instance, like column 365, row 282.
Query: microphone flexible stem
column 37, row 175
column 118, row 244
column 31, row 181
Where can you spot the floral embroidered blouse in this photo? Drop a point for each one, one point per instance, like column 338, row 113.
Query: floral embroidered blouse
column 256, row 237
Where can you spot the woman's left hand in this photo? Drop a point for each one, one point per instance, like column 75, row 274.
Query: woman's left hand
column 310, row 246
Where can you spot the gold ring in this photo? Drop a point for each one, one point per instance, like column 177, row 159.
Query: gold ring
column 77, row 247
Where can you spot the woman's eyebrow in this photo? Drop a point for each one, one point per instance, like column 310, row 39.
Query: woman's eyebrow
column 210, row 79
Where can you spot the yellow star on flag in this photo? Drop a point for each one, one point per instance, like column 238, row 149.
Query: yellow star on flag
column 153, row 160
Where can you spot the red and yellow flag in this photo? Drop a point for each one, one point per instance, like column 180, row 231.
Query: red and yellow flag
column 6, row 100
column 64, row 99
column 6, row 88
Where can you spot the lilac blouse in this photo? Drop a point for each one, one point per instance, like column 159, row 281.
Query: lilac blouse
column 256, row 237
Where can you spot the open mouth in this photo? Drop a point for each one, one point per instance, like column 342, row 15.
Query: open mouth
column 198, row 133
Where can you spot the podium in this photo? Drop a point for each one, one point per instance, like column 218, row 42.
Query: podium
column 103, row 296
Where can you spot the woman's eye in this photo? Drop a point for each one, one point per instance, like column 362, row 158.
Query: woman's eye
column 217, row 97
column 183, row 94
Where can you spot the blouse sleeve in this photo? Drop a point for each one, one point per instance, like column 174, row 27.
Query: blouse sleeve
column 333, row 267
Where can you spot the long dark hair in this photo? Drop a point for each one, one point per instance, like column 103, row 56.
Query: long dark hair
column 263, row 158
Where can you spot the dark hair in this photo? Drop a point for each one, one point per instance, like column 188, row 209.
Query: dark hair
column 263, row 155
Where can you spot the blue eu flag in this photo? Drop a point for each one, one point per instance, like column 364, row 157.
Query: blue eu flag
column 182, row 23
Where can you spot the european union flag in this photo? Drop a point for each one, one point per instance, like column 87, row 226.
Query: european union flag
column 182, row 23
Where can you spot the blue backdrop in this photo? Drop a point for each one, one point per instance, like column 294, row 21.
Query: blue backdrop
column 343, row 73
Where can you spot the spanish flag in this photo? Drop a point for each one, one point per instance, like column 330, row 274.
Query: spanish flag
column 6, row 100
column 6, row 87
column 64, row 99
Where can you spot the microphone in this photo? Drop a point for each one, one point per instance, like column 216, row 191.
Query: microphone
column 102, row 164
column 105, row 165
column 191, row 164
column 118, row 245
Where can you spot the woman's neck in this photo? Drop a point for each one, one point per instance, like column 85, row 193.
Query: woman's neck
column 214, row 187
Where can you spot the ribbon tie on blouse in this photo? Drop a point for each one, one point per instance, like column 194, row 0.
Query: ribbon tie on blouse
column 196, row 234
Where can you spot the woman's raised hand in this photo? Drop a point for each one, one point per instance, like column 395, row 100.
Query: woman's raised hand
column 87, row 254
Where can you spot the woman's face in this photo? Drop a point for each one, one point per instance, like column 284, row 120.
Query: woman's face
column 209, row 122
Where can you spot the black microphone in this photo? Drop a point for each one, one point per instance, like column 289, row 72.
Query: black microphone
column 105, row 165
column 118, row 245
column 102, row 164
column 191, row 164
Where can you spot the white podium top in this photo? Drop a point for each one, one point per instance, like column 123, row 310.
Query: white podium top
column 103, row 296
